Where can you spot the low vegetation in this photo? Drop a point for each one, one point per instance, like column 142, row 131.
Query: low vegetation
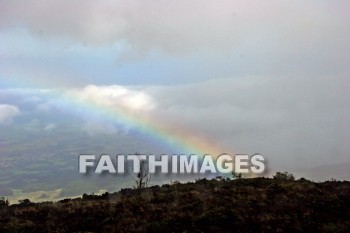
column 281, row 204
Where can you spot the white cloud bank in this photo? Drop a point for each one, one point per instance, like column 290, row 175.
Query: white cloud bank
column 126, row 99
column 115, row 96
column 7, row 113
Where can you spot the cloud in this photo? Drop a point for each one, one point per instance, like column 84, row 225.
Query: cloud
column 47, row 105
column 168, row 42
column 7, row 113
column 295, row 121
column 131, row 101
column 115, row 96
column 181, row 27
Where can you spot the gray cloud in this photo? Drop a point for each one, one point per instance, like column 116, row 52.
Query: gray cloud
column 189, row 26
column 296, row 122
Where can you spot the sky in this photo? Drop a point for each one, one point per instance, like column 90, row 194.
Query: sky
column 269, row 77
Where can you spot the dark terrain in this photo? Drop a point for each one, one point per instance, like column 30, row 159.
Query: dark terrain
column 218, row 205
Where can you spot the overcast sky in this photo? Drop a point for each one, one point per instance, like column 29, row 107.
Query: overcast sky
column 255, row 76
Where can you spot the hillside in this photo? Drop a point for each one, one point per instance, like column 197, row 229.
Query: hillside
column 218, row 205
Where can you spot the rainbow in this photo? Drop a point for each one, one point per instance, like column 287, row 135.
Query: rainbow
column 172, row 135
